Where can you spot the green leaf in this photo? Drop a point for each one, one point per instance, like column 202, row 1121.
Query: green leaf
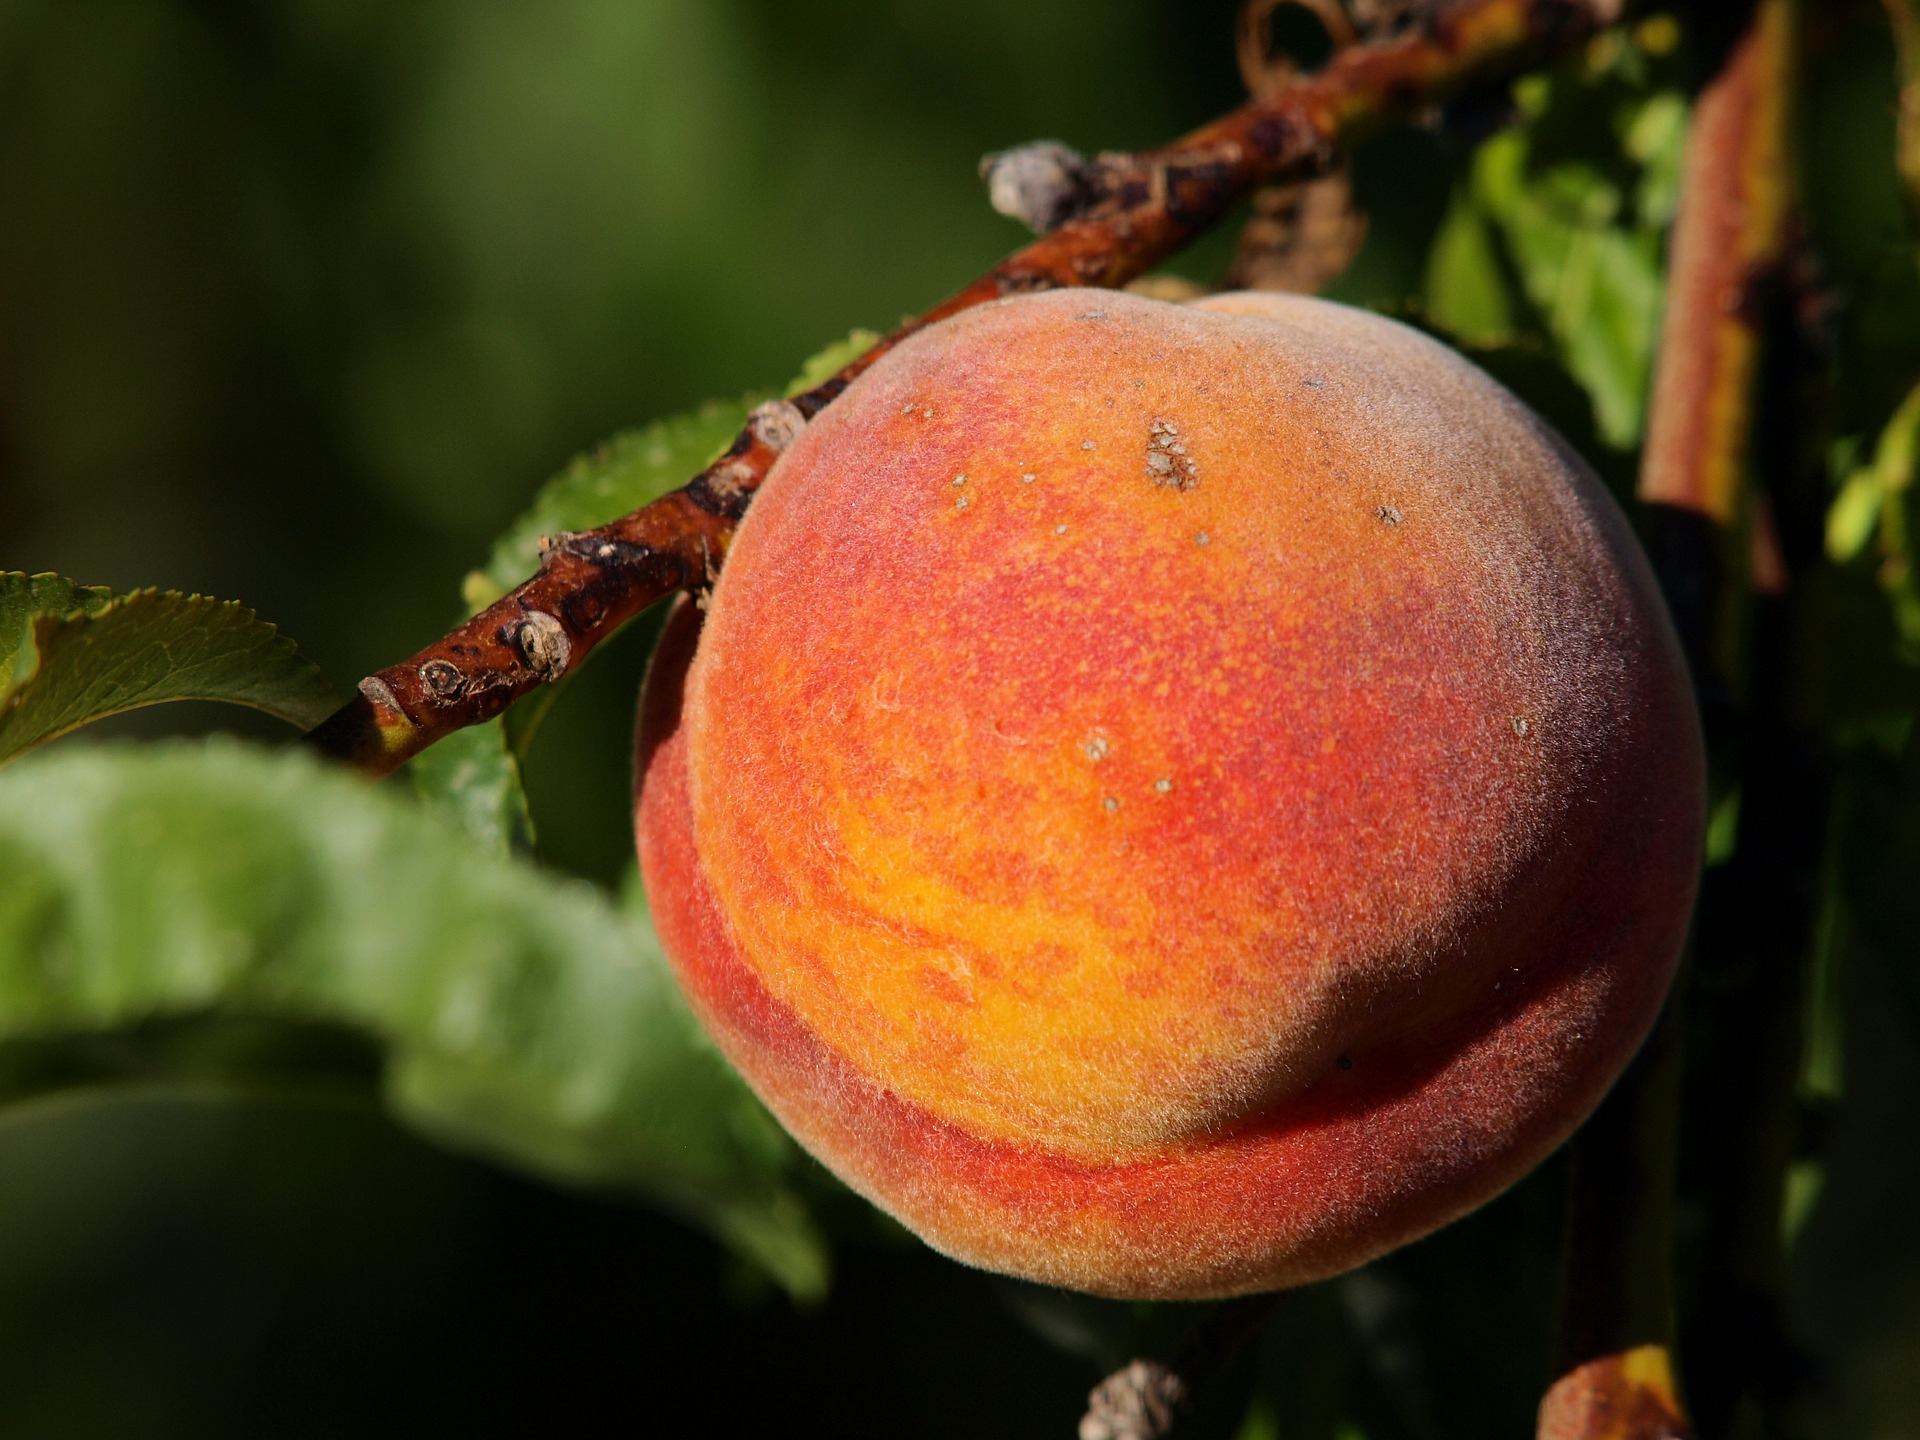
column 1656, row 136
column 1607, row 320
column 1854, row 515
column 832, row 360
column 25, row 598
column 1467, row 291
column 80, row 654
column 1548, row 200
column 522, row 1017
column 473, row 777
column 1873, row 503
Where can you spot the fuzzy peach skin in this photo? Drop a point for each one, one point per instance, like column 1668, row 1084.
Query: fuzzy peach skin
column 1174, row 800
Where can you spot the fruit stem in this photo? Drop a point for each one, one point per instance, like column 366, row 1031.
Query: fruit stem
column 1130, row 213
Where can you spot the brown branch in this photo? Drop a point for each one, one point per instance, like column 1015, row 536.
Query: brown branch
column 1303, row 234
column 1614, row 1368
column 1139, row 210
column 1300, row 238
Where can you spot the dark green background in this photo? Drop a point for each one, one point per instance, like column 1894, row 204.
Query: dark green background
column 298, row 303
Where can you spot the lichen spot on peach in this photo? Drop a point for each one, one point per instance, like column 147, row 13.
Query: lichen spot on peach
column 1159, row 754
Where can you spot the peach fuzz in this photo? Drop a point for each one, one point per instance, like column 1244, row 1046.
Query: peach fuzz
column 1174, row 800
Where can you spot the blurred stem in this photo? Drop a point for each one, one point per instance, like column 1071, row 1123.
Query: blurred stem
column 1613, row 1358
column 1904, row 16
column 1150, row 1399
column 1614, row 1371
column 1124, row 214
column 1756, row 935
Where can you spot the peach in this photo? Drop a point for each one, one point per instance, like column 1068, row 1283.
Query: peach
column 1174, row 800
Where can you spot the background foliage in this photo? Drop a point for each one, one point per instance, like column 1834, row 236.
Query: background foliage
column 329, row 1112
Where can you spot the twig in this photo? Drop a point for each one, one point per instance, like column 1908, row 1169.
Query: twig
column 1148, row 1399
column 1139, row 209
column 1615, row 1375
column 1301, row 235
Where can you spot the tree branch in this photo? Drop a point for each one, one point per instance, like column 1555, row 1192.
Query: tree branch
column 1131, row 212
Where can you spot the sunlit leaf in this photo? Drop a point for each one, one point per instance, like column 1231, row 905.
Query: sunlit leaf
column 1854, row 515
column 1542, row 237
column 79, row 654
column 1468, row 293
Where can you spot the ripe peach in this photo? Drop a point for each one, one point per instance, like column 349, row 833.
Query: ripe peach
column 1174, row 801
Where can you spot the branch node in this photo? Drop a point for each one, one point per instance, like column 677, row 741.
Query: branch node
column 542, row 642
column 1043, row 184
column 1140, row 1402
column 776, row 424
column 443, row 678
column 375, row 689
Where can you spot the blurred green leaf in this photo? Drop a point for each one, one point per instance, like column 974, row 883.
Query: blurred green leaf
column 79, row 654
column 523, row 1018
column 473, row 777
column 1873, row 503
column 1656, row 136
column 1854, row 516
column 1597, row 287
column 1468, row 292
column 829, row 362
